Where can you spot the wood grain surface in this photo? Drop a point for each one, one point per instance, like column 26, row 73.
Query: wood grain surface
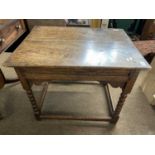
column 77, row 47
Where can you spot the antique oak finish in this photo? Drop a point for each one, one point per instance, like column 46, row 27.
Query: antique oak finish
column 78, row 54
column 10, row 31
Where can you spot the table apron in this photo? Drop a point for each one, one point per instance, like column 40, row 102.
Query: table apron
column 49, row 77
column 77, row 74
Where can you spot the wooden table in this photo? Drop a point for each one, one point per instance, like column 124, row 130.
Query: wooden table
column 78, row 54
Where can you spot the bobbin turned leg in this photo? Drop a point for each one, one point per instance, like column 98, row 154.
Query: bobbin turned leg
column 125, row 91
column 119, row 106
column 33, row 103
column 27, row 87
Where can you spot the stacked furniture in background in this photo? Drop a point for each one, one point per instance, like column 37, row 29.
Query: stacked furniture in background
column 44, row 22
column 147, row 48
column 10, row 31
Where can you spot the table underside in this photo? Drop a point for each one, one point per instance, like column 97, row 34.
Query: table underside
column 81, row 100
column 117, row 78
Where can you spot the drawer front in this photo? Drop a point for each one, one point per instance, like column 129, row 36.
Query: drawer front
column 11, row 33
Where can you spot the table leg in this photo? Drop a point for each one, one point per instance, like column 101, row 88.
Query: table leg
column 27, row 87
column 33, row 102
column 119, row 106
column 2, row 79
column 125, row 91
column 2, row 82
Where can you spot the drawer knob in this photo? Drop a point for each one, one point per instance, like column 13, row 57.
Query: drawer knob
column 18, row 27
column 2, row 40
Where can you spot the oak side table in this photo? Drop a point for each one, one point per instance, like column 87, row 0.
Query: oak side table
column 78, row 54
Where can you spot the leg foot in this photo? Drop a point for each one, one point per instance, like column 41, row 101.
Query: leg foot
column 119, row 106
column 114, row 120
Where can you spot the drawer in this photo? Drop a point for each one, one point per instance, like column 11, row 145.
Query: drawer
column 10, row 33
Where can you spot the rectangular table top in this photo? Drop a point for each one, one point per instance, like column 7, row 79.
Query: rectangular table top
column 77, row 47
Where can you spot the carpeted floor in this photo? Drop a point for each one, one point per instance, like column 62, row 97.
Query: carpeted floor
column 137, row 117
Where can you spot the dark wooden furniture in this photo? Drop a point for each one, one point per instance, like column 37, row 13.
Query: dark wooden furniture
column 148, row 32
column 77, row 54
column 44, row 22
column 10, row 31
column 147, row 48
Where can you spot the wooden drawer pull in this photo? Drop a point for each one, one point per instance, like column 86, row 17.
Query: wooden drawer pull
column 18, row 26
column 2, row 40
